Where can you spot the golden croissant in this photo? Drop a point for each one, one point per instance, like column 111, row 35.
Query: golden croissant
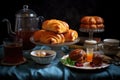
column 48, row 37
column 71, row 35
column 57, row 26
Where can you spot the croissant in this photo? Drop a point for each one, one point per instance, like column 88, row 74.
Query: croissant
column 71, row 35
column 57, row 26
column 48, row 37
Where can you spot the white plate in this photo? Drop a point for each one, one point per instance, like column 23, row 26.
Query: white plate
column 62, row 44
column 86, row 65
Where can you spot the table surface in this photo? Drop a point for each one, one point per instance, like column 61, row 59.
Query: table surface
column 54, row 71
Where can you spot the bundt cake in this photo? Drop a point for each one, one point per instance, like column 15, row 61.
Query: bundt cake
column 92, row 22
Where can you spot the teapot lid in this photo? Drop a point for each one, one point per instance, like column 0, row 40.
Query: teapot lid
column 25, row 12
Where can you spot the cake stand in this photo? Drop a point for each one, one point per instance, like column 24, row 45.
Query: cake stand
column 56, row 47
column 91, row 32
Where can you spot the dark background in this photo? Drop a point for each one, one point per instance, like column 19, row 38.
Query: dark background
column 70, row 11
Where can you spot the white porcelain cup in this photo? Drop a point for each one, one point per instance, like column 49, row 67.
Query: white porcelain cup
column 110, row 46
column 90, row 44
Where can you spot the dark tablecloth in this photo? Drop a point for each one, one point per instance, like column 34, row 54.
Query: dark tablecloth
column 54, row 71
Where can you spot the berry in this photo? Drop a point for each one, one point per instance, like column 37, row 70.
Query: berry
column 78, row 64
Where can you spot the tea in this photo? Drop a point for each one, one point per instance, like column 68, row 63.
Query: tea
column 13, row 53
column 25, row 36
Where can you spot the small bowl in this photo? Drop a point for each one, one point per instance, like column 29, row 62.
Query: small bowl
column 43, row 59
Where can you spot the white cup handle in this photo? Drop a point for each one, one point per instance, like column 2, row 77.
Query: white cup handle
column 101, row 46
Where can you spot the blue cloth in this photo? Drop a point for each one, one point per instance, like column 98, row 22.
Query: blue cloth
column 54, row 71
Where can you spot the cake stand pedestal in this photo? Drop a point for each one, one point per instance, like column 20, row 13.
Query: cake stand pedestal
column 91, row 32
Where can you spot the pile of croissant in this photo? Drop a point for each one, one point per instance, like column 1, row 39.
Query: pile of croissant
column 54, row 32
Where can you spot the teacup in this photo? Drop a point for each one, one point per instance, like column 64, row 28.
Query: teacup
column 13, row 54
column 110, row 46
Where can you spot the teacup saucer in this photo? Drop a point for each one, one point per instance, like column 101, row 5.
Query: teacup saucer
column 13, row 64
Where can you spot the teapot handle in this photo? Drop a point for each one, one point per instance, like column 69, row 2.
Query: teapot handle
column 40, row 19
column 9, row 29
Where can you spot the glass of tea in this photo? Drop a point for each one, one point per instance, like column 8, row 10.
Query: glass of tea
column 13, row 53
column 89, row 54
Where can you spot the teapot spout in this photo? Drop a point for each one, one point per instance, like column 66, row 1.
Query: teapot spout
column 9, row 29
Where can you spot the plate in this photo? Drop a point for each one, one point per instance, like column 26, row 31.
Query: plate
column 86, row 65
column 91, row 30
column 62, row 44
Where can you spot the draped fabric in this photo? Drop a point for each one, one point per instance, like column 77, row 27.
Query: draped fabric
column 54, row 71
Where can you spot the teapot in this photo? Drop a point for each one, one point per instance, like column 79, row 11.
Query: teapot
column 26, row 24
